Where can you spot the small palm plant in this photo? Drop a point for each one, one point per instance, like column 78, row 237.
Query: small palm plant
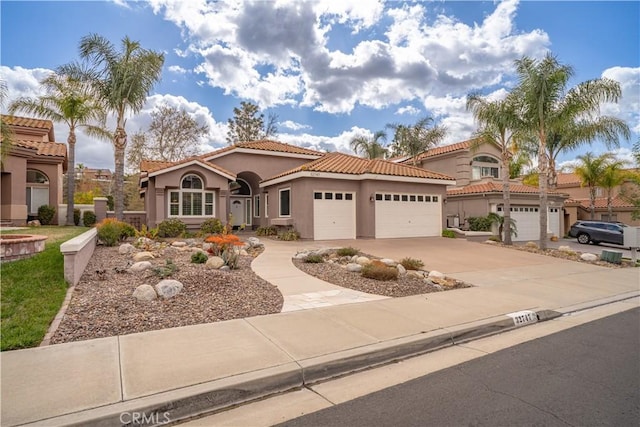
column 499, row 221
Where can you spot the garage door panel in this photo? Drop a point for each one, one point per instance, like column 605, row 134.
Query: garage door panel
column 528, row 222
column 408, row 217
column 334, row 218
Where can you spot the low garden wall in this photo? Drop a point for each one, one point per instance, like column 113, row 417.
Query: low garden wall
column 77, row 253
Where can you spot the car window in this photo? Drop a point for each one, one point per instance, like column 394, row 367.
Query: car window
column 612, row 227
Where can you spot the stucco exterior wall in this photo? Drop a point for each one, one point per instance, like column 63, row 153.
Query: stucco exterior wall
column 458, row 163
column 264, row 166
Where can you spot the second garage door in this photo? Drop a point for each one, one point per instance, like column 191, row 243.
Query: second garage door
column 408, row 215
column 334, row 215
column 528, row 222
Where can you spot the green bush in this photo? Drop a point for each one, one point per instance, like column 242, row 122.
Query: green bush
column 212, row 226
column 314, row 259
column 171, row 228
column 111, row 231
column 448, row 233
column 347, row 251
column 89, row 218
column 288, row 235
column 267, row 231
column 199, row 258
column 46, row 214
column 76, row 217
column 379, row 272
column 411, row 263
column 494, row 239
column 480, row 223
column 166, row 270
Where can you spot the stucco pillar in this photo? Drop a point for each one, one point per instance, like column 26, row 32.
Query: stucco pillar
column 100, row 208
column 223, row 206
column 161, row 204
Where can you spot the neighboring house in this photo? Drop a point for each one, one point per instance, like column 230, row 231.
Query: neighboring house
column 577, row 206
column 32, row 171
column 478, row 190
column 322, row 195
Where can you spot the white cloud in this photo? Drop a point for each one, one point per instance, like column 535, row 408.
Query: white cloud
column 409, row 109
column 628, row 108
column 326, row 143
column 288, row 124
column 177, row 69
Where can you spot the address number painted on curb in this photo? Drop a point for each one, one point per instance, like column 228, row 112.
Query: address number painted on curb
column 524, row 317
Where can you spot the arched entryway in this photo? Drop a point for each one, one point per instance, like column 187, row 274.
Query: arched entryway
column 240, row 204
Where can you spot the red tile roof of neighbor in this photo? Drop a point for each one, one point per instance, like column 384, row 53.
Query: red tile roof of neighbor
column 352, row 165
column 52, row 149
column 266, row 145
column 27, row 122
column 148, row 166
column 494, row 187
column 601, row 203
column 568, row 179
column 464, row 145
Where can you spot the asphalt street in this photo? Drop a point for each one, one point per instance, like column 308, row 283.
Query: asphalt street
column 594, row 249
column 585, row 376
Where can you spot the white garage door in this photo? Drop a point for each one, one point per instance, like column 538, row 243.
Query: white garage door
column 334, row 215
column 554, row 221
column 408, row 215
column 528, row 222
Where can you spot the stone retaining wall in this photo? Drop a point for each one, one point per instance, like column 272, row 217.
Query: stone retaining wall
column 77, row 253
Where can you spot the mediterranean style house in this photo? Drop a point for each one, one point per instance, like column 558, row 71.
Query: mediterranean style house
column 322, row 195
column 32, row 170
column 478, row 173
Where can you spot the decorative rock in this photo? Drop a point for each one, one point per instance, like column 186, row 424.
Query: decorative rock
column 168, row 288
column 143, row 256
column 243, row 252
column 415, row 273
column 196, row 249
column 301, row 255
column 126, row 248
column 354, row 268
column 324, row 251
column 354, row 258
column 190, row 242
column 565, row 249
column 179, row 244
column 388, row 262
column 491, row 242
column 206, row 246
column 532, row 245
column 254, row 241
column 438, row 287
column 140, row 266
column 433, row 274
column 363, row 260
column 141, row 241
column 225, row 268
column 401, row 270
column 145, row 293
column 589, row 257
column 214, row 262
column 34, row 223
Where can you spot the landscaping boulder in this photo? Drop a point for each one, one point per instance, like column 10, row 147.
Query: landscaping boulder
column 140, row 266
column 324, row 251
column 143, row 256
column 243, row 252
column 388, row 262
column 532, row 245
column 145, row 293
column 433, row 274
column 589, row 257
column 126, row 248
column 401, row 270
column 565, row 249
column 354, row 268
column 34, row 223
column 190, row 242
column 491, row 242
column 363, row 260
column 214, row 262
column 254, row 241
column 415, row 273
column 206, row 246
column 168, row 288
column 141, row 241
column 354, row 258
column 178, row 244
column 225, row 268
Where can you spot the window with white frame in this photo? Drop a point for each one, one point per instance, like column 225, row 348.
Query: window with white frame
column 484, row 167
column 37, row 190
column 191, row 199
column 256, row 206
column 266, row 205
column 284, row 204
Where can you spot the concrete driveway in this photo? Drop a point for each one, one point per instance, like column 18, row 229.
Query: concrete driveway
column 594, row 249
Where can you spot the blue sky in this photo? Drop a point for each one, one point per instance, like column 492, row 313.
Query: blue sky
column 329, row 69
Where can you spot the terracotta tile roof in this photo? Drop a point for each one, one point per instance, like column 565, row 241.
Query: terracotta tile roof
column 266, row 145
column 148, row 166
column 53, row 149
column 568, row 179
column 27, row 122
column 153, row 165
column 458, row 146
column 352, row 165
column 494, row 187
column 600, row 203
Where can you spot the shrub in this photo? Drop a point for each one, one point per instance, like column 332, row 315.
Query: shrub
column 212, row 226
column 494, row 239
column 267, row 231
column 111, row 231
column 149, row 233
column 448, row 233
column 480, row 223
column 166, row 270
column 314, row 259
column 46, row 214
column 378, row 272
column 224, row 246
column 171, row 228
column 89, row 218
column 199, row 258
column 76, row 217
column 411, row 263
column 347, row 251
column 289, row 235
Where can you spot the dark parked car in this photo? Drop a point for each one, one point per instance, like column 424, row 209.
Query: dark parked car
column 598, row 232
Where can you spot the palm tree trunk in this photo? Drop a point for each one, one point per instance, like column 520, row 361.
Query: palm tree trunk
column 543, row 181
column 553, row 175
column 119, row 145
column 592, row 203
column 71, row 175
column 609, row 207
column 506, row 194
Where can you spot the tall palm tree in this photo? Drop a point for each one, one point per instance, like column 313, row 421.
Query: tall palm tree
column 412, row 140
column 499, row 124
column 611, row 177
column 121, row 79
column 370, row 148
column 67, row 100
column 6, row 134
column 590, row 170
column 547, row 109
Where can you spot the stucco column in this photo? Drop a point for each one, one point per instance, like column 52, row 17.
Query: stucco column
column 100, row 208
column 223, row 206
column 161, row 206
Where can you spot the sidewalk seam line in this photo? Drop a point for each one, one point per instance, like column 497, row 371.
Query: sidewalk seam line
column 293, row 359
column 120, row 371
column 315, row 392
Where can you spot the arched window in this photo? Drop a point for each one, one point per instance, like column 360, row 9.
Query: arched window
column 37, row 190
column 191, row 199
column 484, row 167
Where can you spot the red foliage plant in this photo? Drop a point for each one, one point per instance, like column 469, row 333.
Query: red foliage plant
column 222, row 242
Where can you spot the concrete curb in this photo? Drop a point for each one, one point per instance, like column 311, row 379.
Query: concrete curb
column 56, row 320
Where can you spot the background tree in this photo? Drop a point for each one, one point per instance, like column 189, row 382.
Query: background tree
column 369, row 147
column 67, row 100
column 6, row 134
column 547, row 109
column 590, row 170
column 499, row 125
column 172, row 135
column 411, row 140
column 248, row 124
column 121, row 80
column 611, row 177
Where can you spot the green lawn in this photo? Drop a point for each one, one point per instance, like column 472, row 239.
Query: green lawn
column 33, row 289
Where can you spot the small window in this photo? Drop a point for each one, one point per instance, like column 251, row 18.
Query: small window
column 285, row 202
column 192, row 181
column 348, row 196
column 266, row 205
column 317, row 196
column 328, row 196
column 256, row 206
column 396, row 197
column 427, row 198
column 499, row 208
column 338, row 196
column 378, row 196
column 421, row 198
column 435, row 198
column 387, row 197
column 412, row 198
column 526, row 209
column 208, row 204
column 405, row 198
column 535, row 209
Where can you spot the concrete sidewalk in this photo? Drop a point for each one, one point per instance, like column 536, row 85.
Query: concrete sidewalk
column 176, row 373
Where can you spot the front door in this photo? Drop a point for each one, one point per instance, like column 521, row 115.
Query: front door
column 237, row 211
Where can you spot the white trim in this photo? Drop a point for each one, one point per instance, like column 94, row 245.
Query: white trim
column 280, row 202
column 256, row 212
column 266, row 205
column 180, row 192
column 353, row 177
column 265, row 153
column 191, row 163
